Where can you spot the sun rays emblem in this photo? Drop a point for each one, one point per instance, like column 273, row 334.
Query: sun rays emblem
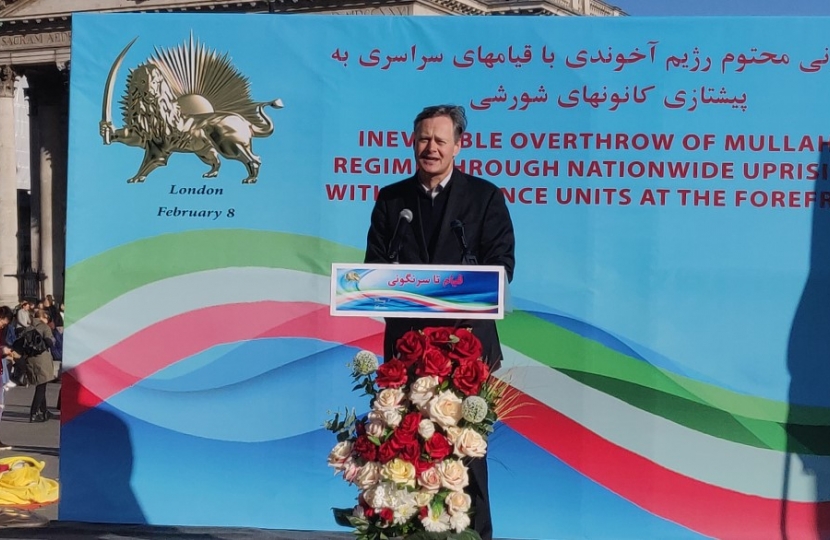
column 187, row 99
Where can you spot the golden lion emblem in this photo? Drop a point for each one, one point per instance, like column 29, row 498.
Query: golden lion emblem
column 187, row 100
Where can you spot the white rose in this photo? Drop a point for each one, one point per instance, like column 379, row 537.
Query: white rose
column 339, row 454
column 458, row 502
column 423, row 390
column 359, row 512
column 453, row 474
column 445, row 409
column 430, row 480
column 426, row 428
column 459, row 522
column 380, row 495
column 368, row 476
column 392, row 418
column 375, row 429
column 375, row 416
column 388, row 399
column 470, row 443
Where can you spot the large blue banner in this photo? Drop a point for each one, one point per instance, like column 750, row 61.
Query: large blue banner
column 667, row 181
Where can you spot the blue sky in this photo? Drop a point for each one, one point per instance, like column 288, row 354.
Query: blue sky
column 723, row 7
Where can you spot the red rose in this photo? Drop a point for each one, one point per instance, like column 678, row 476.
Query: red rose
column 391, row 374
column 423, row 512
column 410, row 347
column 400, row 439
column 469, row 376
column 365, row 448
column 438, row 336
column 438, row 447
column 434, row 363
column 421, row 465
column 388, row 451
column 410, row 422
column 411, row 452
column 360, row 428
column 468, row 346
column 387, row 515
column 369, row 512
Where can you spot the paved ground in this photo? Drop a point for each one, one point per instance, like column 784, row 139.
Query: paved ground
column 40, row 441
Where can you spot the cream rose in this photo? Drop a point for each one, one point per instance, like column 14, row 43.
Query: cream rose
column 399, row 471
column 445, row 409
column 430, row 480
column 368, row 476
column 392, row 418
column 339, row 454
column 426, row 428
column 423, row 498
column 453, row 474
column 423, row 390
column 375, row 429
column 452, row 433
column 388, row 399
column 458, row 502
column 375, row 416
column 470, row 443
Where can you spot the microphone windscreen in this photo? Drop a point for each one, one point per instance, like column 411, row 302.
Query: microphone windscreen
column 406, row 214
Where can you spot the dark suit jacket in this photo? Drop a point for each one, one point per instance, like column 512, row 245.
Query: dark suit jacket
column 477, row 203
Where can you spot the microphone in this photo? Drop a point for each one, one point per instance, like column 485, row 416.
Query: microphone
column 404, row 219
column 457, row 227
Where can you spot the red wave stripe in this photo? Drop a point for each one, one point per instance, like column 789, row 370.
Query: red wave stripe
column 159, row 345
column 704, row 508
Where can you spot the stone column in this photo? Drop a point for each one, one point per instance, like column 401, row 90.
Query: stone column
column 48, row 91
column 8, row 190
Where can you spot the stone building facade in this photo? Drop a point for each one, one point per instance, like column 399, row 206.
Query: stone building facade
column 34, row 75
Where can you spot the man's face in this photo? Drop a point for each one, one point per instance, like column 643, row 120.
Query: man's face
column 4, row 323
column 435, row 149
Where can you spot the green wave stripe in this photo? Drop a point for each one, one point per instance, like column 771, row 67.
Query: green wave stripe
column 754, row 420
column 697, row 405
column 96, row 281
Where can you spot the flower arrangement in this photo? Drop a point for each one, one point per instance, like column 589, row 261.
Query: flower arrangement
column 432, row 405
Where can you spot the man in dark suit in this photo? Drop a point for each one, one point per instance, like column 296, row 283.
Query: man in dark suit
column 440, row 198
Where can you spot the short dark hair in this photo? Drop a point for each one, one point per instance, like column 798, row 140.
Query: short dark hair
column 6, row 313
column 456, row 113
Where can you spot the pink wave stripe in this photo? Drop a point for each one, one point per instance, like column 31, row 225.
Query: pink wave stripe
column 707, row 509
column 166, row 342
column 702, row 507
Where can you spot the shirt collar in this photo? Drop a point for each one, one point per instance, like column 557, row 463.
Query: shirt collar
column 437, row 189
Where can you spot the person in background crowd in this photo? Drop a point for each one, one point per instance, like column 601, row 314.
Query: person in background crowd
column 23, row 314
column 6, row 317
column 54, row 312
column 40, row 369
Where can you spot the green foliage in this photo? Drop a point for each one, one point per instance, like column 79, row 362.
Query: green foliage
column 344, row 429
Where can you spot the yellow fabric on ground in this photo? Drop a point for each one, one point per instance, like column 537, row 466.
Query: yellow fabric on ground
column 22, row 483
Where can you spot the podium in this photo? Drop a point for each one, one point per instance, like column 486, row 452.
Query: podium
column 417, row 291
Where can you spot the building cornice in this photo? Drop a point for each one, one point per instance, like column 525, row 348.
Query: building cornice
column 32, row 34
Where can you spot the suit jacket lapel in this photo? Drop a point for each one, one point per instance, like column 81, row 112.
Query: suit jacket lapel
column 412, row 202
column 447, row 244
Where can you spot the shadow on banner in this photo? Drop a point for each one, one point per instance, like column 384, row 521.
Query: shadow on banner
column 808, row 362
column 98, row 481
